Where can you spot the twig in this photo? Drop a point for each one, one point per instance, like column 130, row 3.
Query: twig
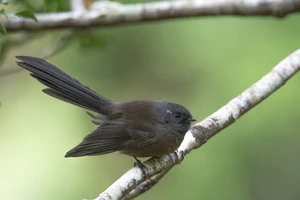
column 133, row 183
column 106, row 13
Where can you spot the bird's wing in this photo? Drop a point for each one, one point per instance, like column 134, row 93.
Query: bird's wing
column 144, row 135
column 107, row 138
column 110, row 137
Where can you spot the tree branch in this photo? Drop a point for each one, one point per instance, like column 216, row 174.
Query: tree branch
column 144, row 186
column 133, row 183
column 105, row 13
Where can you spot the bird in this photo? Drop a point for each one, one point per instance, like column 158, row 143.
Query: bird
column 138, row 128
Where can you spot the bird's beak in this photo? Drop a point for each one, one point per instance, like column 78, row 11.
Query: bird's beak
column 192, row 120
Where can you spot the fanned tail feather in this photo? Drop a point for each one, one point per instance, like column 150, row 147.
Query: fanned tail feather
column 64, row 87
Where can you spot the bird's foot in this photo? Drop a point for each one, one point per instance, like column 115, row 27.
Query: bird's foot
column 140, row 165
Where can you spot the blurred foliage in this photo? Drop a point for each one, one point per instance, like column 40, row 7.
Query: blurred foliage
column 57, row 5
column 91, row 38
column 4, row 44
column 12, row 41
column 4, row 2
column 43, row 6
column 201, row 63
column 2, row 12
column 2, row 28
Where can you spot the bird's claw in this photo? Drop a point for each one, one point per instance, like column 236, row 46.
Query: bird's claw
column 140, row 165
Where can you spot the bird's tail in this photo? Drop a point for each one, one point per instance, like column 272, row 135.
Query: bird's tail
column 64, row 87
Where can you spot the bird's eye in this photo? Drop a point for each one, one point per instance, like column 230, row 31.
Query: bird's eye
column 177, row 115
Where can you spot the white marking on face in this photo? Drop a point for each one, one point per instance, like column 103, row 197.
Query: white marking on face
column 168, row 111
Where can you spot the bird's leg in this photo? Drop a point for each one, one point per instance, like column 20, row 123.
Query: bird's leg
column 140, row 165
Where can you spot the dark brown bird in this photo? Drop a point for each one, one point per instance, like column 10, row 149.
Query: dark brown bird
column 139, row 128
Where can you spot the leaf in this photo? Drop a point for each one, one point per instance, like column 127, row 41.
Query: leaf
column 27, row 14
column 2, row 29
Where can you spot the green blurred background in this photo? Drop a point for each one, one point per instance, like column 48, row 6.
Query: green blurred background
column 201, row 63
